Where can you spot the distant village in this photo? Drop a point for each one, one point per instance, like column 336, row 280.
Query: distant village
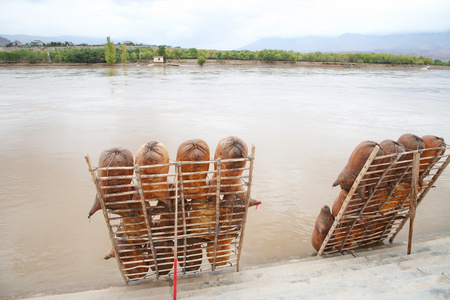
column 38, row 43
column 35, row 43
column 7, row 45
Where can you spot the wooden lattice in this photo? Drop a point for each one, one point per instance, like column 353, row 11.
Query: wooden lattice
column 210, row 228
column 378, row 204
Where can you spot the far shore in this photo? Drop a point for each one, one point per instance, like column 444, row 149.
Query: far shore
column 222, row 62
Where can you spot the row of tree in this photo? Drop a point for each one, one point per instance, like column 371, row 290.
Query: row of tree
column 112, row 54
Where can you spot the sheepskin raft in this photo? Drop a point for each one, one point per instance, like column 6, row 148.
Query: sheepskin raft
column 173, row 217
column 392, row 186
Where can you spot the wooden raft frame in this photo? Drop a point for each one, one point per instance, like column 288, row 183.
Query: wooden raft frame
column 170, row 245
column 389, row 189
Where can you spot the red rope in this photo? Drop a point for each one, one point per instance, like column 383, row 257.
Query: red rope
column 175, row 262
column 257, row 205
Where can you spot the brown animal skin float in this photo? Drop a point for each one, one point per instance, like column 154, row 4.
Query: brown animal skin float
column 231, row 215
column 202, row 220
column 133, row 223
column 223, row 251
column 411, row 142
column 192, row 261
column 194, row 252
column 355, row 205
column 433, row 148
column 398, row 198
column 155, row 188
column 133, row 220
column 232, row 210
column 392, row 147
column 203, row 214
column 194, row 150
column 341, row 235
column 323, row 224
column 134, row 258
column 355, row 164
column 163, row 248
column 113, row 157
column 338, row 202
column 228, row 148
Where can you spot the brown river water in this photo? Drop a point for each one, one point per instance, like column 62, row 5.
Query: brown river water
column 304, row 123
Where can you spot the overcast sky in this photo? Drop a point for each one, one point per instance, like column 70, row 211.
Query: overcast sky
column 221, row 25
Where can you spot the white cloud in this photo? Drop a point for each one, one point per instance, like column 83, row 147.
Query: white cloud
column 219, row 24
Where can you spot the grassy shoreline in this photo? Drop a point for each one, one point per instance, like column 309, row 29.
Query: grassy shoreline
column 226, row 62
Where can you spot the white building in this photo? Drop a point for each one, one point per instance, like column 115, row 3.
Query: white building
column 158, row 59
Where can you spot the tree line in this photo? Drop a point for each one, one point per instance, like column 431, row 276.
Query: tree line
column 112, row 54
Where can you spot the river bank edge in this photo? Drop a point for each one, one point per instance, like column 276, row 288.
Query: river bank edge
column 216, row 62
column 424, row 245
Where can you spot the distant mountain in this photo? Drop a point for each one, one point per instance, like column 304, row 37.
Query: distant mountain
column 433, row 45
column 4, row 42
column 63, row 38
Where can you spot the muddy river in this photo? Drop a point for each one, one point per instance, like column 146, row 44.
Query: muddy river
column 304, row 123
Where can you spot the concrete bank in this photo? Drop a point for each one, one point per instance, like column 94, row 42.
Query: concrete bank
column 380, row 272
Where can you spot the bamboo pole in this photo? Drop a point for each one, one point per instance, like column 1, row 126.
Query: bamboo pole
column 216, row 231
column 137, row 170
column 183, row 211
column 175, row 241
column 413, row 198
column 247, row 201
column 105, row 214
column 424, row 193
column 433, row 180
